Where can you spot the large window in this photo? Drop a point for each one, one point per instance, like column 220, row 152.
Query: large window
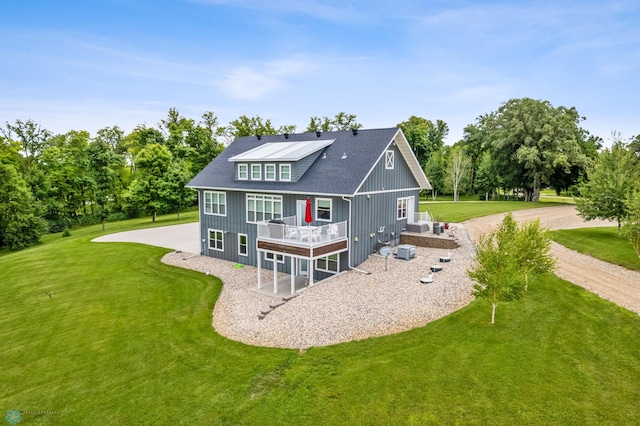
column 269, row 172
column 388, row 159
column 263, row 207
column 242, row 245
column 285, row 172
column 256, row 172
column 243, row 172
column 270, row 256
column 402, row 208
column 216, row 239
column 323, row 209
column 330, row 264
column 215, row 203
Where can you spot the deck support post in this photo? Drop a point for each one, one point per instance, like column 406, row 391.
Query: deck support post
column 293, row 276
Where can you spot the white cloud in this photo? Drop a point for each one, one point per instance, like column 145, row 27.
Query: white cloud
column 262, row 80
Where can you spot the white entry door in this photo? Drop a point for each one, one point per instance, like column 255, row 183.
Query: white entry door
column 411, row 210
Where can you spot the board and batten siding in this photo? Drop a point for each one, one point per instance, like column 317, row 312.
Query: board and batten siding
column 383, row 179
column 377, row 215
column 235, row 223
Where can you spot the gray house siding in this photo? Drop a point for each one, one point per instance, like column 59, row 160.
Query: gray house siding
column 234, row 223
column 383, row 179
column 369, row 216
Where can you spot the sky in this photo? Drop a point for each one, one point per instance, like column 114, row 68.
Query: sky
column 86, row 65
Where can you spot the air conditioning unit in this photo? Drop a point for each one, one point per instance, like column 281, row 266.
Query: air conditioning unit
column 406, row 251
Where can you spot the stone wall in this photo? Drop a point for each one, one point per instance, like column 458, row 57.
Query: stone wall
column 426, row 241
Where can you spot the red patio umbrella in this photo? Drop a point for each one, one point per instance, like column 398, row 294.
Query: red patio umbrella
column 308, row 217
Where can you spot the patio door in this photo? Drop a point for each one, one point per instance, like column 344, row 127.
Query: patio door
column 301, row 207
column 303, row 267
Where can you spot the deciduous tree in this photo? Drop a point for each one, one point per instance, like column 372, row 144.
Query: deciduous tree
column 533, row 250
column 457, row 170
column 611, row 183
column 535, row 140
column 424, row 137
column 496, row 271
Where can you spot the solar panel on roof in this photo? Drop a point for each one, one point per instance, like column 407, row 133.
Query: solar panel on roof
column 282, row 151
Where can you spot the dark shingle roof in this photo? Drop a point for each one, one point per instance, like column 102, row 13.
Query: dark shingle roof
column 330, row 175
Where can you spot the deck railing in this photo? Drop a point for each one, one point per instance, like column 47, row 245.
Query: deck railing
column 286, row 231
column 420, row 217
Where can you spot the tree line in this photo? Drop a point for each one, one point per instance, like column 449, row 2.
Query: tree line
column 53, row 182
column 49, row 183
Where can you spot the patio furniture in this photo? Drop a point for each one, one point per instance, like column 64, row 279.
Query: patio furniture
column 292, row 231
column 276, row 228
column 333, row 231
column 311, row 233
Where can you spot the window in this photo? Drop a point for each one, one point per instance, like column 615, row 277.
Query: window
column 328, row 264
column 216, row 240
column 263, row 207
column 402, row 208
column 388, row 159
column 243, row 172
column 242, row 245
column 256, row 172
column 215, row 203
column 285, row 172
column 323, row 209
column 269, row 172
column 269, row 256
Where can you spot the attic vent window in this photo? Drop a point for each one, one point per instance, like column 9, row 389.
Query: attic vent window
column 388, row 159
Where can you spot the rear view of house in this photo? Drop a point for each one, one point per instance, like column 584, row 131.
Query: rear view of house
column 310, row 204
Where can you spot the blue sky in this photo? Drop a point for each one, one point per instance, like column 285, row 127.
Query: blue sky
column 73, row 65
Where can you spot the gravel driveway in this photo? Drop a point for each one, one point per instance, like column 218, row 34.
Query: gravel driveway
column 611, row 282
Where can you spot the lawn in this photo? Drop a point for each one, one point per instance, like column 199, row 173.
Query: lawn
column 463, row 210
column 126, row 339
column 602, row 243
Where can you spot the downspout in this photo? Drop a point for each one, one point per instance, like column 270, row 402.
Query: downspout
column 348, row 200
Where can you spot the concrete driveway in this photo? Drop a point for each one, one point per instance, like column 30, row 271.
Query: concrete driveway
column 184, row 237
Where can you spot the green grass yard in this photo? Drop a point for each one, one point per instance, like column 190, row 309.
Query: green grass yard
column 463, row 210
column 126, row 339
column 602, row 243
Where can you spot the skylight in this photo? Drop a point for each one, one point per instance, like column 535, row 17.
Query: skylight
column 282, row 151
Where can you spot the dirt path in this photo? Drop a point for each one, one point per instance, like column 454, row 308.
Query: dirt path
column 611, row 282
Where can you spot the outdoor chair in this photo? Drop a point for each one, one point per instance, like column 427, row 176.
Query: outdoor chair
column 292, row 232
column 333, row 231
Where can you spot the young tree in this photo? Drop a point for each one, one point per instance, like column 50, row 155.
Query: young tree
column 457, row 170
column 611, row 183
column 631, row 227
column 533, row 244
column 496, row 270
